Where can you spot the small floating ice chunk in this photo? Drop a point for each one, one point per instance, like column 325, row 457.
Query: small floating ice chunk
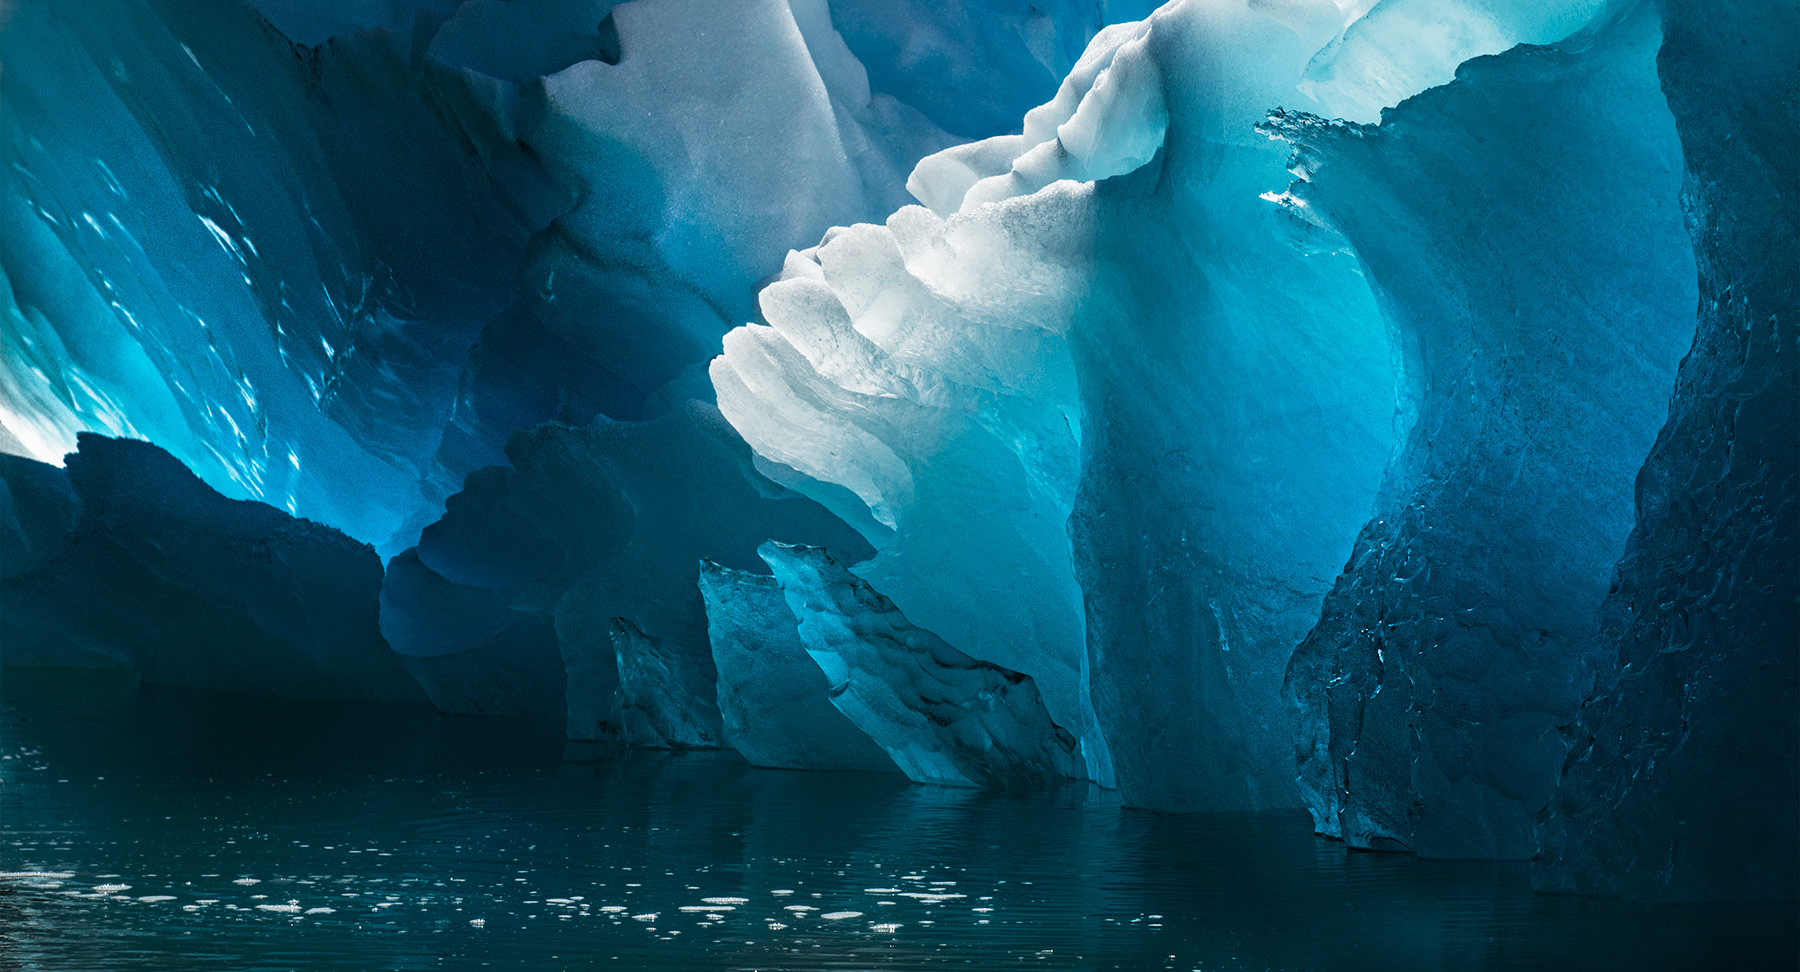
column 246, row 882
column 726, row 901
column 477, row 922
column 801, row 908
column 840, row 915
column 111, row 888
column 320, row 911
column 649, row 916
column 286, row 909
column 776, row 926
column 885, row 926
column 612, row 909
column 154, row 898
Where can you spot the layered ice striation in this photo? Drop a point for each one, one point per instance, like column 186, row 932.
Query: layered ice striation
column 773, row 699
column 940, row 715
column 124, row 559
column 1542, row 294
column 1684, row 778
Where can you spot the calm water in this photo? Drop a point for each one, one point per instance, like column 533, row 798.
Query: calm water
column 155, row 828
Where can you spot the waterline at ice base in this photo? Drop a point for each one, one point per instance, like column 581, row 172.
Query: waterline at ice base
column 900, row 484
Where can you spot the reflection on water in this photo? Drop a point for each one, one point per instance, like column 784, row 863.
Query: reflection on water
column 156, row 828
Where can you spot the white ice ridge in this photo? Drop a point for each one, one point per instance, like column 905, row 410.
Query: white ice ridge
column 917, row 376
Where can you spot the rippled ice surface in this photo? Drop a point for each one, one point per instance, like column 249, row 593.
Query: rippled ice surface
column 156, row 828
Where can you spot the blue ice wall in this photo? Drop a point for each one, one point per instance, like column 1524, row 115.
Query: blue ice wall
column 1682, row 779
column 271, row 260
column 124, row 559
column 1522, row 226
column 1236, row 396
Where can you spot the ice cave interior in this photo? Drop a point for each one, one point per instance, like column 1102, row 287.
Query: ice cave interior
column 1381, row 408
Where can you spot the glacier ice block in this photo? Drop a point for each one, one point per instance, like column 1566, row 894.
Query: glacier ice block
column 774, row 700
column 942, row 716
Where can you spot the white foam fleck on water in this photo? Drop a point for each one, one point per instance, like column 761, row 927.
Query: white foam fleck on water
column 647, row 916
column 58, row 875
column 477, row 922
column 885, row 926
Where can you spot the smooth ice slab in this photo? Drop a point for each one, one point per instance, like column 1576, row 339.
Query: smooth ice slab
column 775, row 702
column 942, row 716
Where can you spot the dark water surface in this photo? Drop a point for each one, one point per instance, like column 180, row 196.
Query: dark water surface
column 157, row 828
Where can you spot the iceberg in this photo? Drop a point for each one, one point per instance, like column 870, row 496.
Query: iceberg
column 593, row 531
column 1683, row 778
column 773, row 699
column 471, row 652
column 665, row 694
column 1101, row 321
column 334, row 269
column 1536, row 378
column 1381, row 407
column 940, row 715
column 125, row 559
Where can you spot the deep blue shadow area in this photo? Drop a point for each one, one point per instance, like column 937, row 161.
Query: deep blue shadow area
column 153, row 828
